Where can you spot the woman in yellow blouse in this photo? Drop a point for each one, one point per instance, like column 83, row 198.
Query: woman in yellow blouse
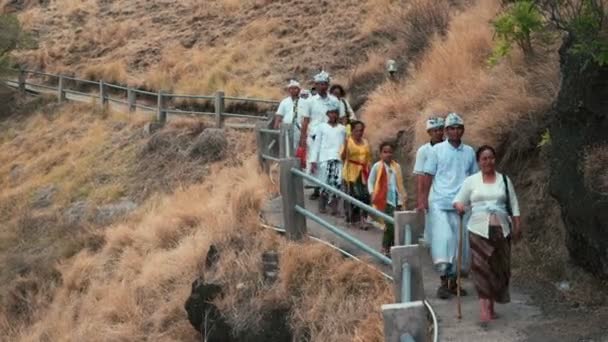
column 356, row 157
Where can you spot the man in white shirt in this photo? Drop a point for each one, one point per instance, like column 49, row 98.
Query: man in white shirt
column 434, row 127
column 292, row 110
column 447, row 166
column 317, row 105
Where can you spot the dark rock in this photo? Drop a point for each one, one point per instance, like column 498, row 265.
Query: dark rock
column 212, row 256
column 579, row 122
column 151, row 127
column 15, row 173
column 204, row 316
column 43, row 197
column 210, row 145
column 188, row 41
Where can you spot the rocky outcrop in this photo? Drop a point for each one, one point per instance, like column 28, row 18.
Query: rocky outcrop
column 579, row 124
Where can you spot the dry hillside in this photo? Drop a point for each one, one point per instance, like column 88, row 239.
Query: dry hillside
column 129, row 280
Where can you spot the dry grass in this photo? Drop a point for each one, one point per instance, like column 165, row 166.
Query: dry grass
column 453, row 76
column 135, row 286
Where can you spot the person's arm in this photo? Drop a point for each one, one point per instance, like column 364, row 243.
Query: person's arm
column 316, row 149
column 304, row 131
column 344, row 151
column 278, row 116
column 430, row 168
column 371, row 181
column 463, row 197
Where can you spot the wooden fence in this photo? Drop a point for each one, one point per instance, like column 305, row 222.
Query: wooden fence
column 162, row 103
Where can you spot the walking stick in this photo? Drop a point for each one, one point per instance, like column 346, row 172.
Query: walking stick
column 459, row 266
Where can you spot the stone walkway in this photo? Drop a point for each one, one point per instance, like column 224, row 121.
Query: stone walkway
column 515, row 317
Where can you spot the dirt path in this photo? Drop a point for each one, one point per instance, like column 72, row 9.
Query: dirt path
column 517, row 318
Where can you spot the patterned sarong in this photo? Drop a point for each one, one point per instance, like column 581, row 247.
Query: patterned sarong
column 491, row 265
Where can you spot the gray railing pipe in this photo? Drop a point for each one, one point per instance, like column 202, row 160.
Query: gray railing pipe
column 406, row 283
column 308, row 214
column 387, row 219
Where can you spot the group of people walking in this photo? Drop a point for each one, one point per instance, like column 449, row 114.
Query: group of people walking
column 456, row 187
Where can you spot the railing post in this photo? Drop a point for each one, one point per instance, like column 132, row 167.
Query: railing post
column 60, row 92
column 103, row 95
column 22, row 80
column 284, row 141
column 410, row 255
column 405, row 322
column 131, row 99
column 292, row 194
column 259, row 138
column 161, row 113
column 219, row 108
column 403, row 219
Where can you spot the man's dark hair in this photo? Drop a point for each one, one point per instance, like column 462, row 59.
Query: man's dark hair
column 483, row 148
column 354, row 123
column 386, row 143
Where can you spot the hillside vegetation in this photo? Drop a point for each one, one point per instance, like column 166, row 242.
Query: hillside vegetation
column 127, row 279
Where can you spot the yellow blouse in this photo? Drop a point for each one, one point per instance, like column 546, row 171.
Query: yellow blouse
column 356, row 154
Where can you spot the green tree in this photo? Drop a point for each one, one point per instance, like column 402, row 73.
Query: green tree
column 11, row 37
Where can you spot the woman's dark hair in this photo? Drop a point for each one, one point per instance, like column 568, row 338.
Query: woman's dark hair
column 337, row 86
column 355, row 123
column 483, row 148
column 386, row 143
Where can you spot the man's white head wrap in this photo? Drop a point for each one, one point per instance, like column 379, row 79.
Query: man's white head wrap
column 453, row 119
column 293, row 83
column 435, row 122
column 333, row 105
column 305, row 92
column 321, row 77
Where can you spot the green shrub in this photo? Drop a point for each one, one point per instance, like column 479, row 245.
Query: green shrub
column 515, row 25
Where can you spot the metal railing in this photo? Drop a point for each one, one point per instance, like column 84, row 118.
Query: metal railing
column 160, row 102
column 407, row 273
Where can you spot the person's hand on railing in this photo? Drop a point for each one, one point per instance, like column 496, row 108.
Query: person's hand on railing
column 313, row 167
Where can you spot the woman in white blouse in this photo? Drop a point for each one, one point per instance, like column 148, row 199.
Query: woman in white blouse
column 493, row 224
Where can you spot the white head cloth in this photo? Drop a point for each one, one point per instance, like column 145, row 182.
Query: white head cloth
column 434, row 122
column 333, row 105
column 304, row 92
column 321, row 77
column 293, row 83
column 453, row 119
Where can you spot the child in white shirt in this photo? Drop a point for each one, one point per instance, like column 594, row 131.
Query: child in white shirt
column 330, row 137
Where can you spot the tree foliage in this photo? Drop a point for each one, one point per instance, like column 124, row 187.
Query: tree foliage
column 583, row 20
column 11, row 37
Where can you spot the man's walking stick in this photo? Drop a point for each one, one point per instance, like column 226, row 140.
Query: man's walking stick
column 459, row 266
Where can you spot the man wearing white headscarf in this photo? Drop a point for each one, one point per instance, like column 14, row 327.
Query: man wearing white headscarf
column 434, row 128
column 447, row 166
column 317, row 113
column 292, row 110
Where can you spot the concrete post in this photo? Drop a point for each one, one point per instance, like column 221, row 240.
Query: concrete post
column 404, row 319
column 21, row 80
column 161, row 112
column 284, row 141
column 103, row 94
column 259, row 138
column 416, row 222
column 60, row 92
column 292, row 194
column 131, row 99
column 412, row 255
column 219, row 108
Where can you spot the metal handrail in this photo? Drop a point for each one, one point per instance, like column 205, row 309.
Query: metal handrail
column 381, row 257
column 270, row 131
column 245, row 99
column 116, row 86
column 387, row 219
column 186, row 96
column 406, row 283
column 265, row 156
column 79, row 80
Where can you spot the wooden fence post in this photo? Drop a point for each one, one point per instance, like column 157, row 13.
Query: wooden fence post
column 103, row 94
column 131, row 99
column 21, row 80
column 292, row 194
column 161, row 112
column 219, row 108
column 60, row 92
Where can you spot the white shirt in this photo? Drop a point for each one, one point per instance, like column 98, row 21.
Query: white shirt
column 328, row 142
column 286, row 111
column 449, row 166
column 392, row 197
column 485, row 200
column 421, row 157
column 317, row 110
